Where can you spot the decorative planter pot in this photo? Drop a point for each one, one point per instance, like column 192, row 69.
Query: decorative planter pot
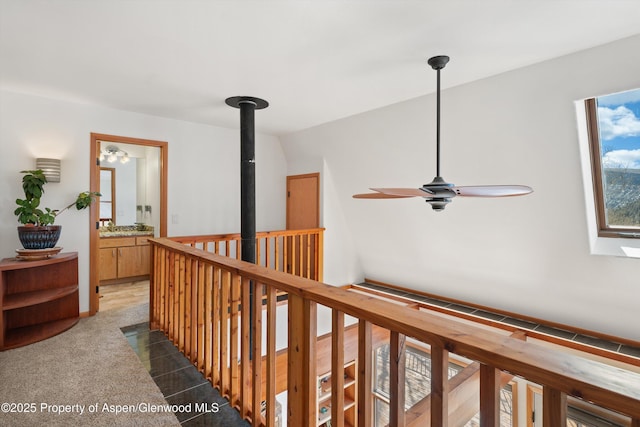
column 43, row 237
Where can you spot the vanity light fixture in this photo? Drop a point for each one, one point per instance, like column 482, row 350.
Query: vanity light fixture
column 112, row 153
column 50, row 168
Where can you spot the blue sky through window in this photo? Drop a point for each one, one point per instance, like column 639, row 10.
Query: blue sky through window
column 619, row 123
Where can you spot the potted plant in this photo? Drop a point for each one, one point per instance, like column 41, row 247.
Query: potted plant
column 38, row 230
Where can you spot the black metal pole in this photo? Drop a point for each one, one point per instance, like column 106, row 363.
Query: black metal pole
column 247, row 182
column 247, row 106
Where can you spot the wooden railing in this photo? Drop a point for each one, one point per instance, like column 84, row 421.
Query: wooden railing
column 201, row 301
column 298, row 252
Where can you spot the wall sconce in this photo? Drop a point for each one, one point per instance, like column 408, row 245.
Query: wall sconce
column 50, row 168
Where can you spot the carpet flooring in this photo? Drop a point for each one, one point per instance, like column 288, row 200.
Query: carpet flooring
column 86, row 376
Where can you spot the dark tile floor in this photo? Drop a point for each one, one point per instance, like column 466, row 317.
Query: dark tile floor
column 181, row 384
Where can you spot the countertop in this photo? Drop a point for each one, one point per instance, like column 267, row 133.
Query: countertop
column 125, row 233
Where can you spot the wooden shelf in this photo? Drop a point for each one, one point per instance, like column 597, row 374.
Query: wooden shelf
column 323, row 418
column 19, row 337
column 25, row 299
column 38, row 299
column 324, row 398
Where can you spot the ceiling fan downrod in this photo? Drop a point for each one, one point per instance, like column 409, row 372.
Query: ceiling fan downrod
column 438, row 63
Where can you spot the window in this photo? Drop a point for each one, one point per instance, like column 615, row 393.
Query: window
column 579, row 413
column 418, row 385
column 418, row 380
column 614, row 137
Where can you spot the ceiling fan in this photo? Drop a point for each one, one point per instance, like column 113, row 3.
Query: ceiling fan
column 438, row 193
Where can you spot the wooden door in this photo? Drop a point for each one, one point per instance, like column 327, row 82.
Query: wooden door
column 303, row 212
column 303, row 201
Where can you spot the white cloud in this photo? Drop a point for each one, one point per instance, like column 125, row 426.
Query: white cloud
column 624, row 159
column 617, row 122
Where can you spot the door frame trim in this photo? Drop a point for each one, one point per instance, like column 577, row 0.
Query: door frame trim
column 94, row 209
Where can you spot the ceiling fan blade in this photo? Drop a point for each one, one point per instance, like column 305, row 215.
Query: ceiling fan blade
column 404, row 192
column 492, row 190
column 378, row 196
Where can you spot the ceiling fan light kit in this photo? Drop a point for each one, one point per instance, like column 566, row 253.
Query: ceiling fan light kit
column 438, row 193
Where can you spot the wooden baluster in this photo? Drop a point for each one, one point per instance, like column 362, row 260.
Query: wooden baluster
column 245, row 361
column 187, row 309
column 180, row 308
column 208, row 320
column 439, row 386
column 554, row 407
column 489, row 396
column 300, row 256
column 365, row 373
column 166, row 323
column 267, row 253
column 173, row 290
column 215, row 330
column 277, row 253
column 224, row 333
column 258, row 251
column 175, row 296
column 200, row 328
column 308, row 257
column 285, row 259
column 162, row 286
column 337, row 368
column 166, row 276
column 194, row 312
column 157, row 284
column 233, row 339
column 153, row 294
column 301, row 380
column 256, row 365
column 271, row 355
column 320, row 257
column 397, row 358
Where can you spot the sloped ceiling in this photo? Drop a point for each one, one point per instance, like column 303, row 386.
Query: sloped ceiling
column 314, row 61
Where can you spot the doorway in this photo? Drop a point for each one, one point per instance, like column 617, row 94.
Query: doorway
column 303, row 212
column 129, row 212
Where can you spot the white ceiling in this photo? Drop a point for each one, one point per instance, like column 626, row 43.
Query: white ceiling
column 313, row 61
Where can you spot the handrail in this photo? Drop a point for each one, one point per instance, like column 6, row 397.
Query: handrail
column 189, row 287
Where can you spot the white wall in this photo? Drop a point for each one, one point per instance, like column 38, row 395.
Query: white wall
column 203, row 169
column 527, row 254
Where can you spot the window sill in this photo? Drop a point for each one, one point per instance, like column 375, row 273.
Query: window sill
column 627, row 248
